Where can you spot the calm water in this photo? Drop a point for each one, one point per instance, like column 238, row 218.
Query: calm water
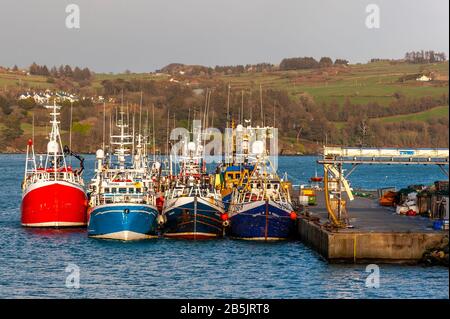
column 33, row 262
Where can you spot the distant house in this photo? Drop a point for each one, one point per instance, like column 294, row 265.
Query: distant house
column 424, row 78
column 47, row 96
column 25, row 96
column 198, row 91
column 40, row 99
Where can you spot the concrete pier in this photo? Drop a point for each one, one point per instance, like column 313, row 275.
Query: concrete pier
column 379, row 234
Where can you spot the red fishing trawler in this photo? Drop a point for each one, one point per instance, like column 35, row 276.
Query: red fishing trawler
column 53, row 192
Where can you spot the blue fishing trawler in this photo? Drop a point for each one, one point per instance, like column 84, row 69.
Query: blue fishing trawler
column 122, row 198
column 261, row 208
column 193, row 208
column 192, row 212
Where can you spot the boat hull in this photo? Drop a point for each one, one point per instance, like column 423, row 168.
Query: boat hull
column 123, row 221
column 189, row 220
column 54, row 204
column 261, row 221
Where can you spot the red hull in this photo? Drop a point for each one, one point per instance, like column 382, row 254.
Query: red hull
column 54, row 204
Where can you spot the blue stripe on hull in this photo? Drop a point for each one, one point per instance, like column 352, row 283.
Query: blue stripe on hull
column 110, row 219
column 251, row 224
column 182, row 221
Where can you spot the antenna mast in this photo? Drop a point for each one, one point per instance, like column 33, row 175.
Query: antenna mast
column 140, row 114
column 153, row 132
column 261, row 104
column 228, row 104
column 104, row 126
column 70, row 130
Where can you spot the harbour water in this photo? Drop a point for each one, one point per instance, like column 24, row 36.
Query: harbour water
column 33, row 262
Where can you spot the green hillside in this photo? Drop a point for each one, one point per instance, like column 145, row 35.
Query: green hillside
column 437, row 112
column 310, row 106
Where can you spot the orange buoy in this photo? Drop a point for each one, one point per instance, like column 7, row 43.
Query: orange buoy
column 293, row 215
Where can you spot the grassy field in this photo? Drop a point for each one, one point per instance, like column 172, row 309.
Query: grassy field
column 437, row 112
column 27, row 81
column 97, row 82
column 373, row 82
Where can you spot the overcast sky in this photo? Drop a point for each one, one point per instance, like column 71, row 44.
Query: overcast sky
column 144, row 35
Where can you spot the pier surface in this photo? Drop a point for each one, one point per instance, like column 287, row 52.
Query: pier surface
column 379, row 234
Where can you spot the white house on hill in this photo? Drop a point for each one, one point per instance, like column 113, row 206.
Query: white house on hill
column 424, row 78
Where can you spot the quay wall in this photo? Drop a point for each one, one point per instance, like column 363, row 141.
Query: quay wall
column 352, row 245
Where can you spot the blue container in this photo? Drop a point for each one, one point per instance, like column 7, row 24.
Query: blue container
column 438, row 224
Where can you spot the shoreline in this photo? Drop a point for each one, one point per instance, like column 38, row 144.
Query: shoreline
column 93, row 153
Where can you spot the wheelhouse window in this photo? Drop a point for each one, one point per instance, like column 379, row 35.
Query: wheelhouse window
column 122, row 190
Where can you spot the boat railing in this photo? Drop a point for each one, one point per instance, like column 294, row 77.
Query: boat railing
column 188, row 191
column 112, row 198
column 259, row 195
column 37, row 176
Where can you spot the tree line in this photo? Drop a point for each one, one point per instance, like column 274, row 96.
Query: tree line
column 425, row 56
column 63, row 71
column 301, row 63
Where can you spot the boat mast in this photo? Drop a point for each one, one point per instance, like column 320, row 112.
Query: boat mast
column 104, row 125
column 261, row 105
column 241, row 120
column 121, row 147
column 153, row 133
column 122, row 140
column 70, row 130
column 32, row 129
column 54, row 145
column 133, row 134
column 140, row 114
column 228, row 105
